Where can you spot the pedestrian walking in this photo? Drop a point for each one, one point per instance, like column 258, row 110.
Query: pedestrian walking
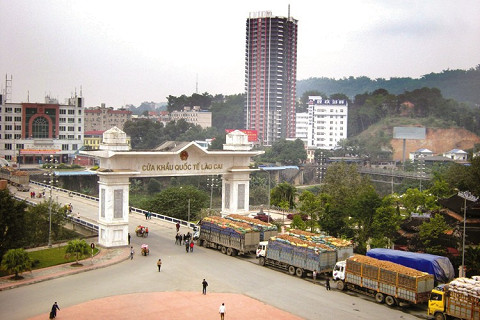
column 222, row 310
column 159, row 264
column 191, row 246
column 204, row 285
column 178, row 227
column 314, row 276
column 176, row 238
column 187, row 245
column 131, row 253
column 327, row 284
column 149, row 215
column 129, row 238
column 53, row 313
column 146, row 215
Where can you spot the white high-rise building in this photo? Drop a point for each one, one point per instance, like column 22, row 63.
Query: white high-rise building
column 324, row 124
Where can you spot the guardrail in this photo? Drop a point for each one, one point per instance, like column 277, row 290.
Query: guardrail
column 132, row 209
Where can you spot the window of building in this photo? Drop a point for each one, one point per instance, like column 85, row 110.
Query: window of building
column 18, row 119
column 65, row 147
column 40, row 128
column 79, row 137
column 62, row 128
column 71, row 137
column 62, row 120
column 8, row 157
column 20, row 146
column 79, row 128
column 8, row 146
column 61, row 137
column 79, row 111
column 8, row 119
column 8, row 127
column 71, row 120
column 71, row 111
column 71, row 128
column 18, row 110
column 8, row 110
column 63, row 111
column 79, row 120
column 17, row 136
column 74, row 146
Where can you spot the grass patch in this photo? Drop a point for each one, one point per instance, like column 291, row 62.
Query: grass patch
column 51, row 257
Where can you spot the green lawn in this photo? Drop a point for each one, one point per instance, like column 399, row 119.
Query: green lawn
column 51, row 257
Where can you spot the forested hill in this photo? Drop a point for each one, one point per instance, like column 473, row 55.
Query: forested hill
column 460, row 85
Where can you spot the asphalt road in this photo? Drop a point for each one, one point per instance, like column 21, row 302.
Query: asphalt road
column 183, row 271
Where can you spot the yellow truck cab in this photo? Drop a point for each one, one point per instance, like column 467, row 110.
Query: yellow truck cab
column 436, row 303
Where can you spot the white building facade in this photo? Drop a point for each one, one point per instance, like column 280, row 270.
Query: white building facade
column 30, row 133
column 324, row 124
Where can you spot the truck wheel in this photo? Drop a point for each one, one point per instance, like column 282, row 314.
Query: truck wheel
column 299, row 272
column 439, row 316
column 261, row 261
column 379, row 297
column 224, row 250
column 291, row 270
column 340, row 285
column 390, row 301
column 229, row 251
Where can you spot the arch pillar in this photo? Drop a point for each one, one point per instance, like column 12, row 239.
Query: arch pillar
column 113, row 208
column 236, row 192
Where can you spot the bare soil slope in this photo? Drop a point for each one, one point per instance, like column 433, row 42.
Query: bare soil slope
column 438, row 141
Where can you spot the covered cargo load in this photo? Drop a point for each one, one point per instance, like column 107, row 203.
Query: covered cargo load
column 438, row 266
column 343, row 248
column 266, row 229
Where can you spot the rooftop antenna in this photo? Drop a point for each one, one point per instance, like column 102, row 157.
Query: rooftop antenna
column 289, row 11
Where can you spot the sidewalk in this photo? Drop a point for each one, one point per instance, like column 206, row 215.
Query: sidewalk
column 106, row 257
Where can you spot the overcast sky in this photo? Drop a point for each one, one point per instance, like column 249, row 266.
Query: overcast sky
column 127, row 52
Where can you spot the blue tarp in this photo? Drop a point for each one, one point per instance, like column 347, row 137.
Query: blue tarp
column 439, row 266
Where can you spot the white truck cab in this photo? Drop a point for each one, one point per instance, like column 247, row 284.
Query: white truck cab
column 339, row 270
column 262, row 249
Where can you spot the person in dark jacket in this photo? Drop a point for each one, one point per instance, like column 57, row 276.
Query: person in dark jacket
column 53, row 313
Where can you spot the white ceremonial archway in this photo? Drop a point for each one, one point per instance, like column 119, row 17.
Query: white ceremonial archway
column 118, row 163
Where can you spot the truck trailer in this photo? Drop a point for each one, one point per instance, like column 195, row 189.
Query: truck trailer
column 385, row 281
column 438, row 266
column 458, row 299
column 17, row 178
column 266, row 229
column 230, row 237
column 295, row 255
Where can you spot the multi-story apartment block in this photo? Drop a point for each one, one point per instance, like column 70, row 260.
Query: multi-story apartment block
column 102, row 118
column 270, row 76
column 193, row 115
column 325, row 123
column 31, row 132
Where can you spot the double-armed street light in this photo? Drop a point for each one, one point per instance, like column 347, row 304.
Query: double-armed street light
column 466, row 195
column 51, row 180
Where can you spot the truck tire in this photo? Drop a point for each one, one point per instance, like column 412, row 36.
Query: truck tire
column 340, row 285
column 300, row 272
column 229, row 251
column 223, row 250
column 261, row 261
column 379, row 297
column 291, row 270
column 439, row 316
column 390, row 301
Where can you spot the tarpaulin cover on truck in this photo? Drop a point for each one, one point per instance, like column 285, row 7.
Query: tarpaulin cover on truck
column 439, row 266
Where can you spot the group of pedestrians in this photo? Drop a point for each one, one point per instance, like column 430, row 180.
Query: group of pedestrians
column 148, row 215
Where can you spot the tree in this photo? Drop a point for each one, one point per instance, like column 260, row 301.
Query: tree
column 37, row 222
column 16, row 261
column 310, row 205
column 472, row 260
column 12, row 222
column 283, row 193
column 77, row 247
column 173, row 202
column 285, row 152
column 433, row 235
column 298, row 223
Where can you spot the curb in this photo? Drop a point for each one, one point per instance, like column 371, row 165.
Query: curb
column 117, row 259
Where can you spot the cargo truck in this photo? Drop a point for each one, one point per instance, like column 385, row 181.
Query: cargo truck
column 17, row 178
column 295, row 255
column 385, row 281
column 230, row 237
column 439, row 266
column 458, row 299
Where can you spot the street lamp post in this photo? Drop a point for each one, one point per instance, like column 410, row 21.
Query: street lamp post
column 50, row 181
column 188, row 214
column 466, row 195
